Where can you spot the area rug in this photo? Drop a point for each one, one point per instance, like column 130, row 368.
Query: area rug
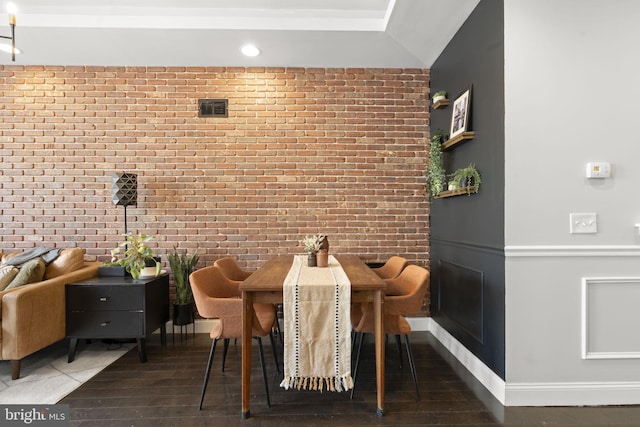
column 46, row 377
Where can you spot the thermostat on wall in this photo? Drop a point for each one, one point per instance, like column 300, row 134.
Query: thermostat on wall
column 598, row 170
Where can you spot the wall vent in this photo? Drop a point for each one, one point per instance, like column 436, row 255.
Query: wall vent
column 213, row 107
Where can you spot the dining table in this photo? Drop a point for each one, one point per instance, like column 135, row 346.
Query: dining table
column 265, row 285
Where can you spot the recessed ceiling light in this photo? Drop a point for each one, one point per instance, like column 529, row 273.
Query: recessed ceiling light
column 250, row 50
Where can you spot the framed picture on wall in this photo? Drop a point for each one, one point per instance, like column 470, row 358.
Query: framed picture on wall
column 460, row 114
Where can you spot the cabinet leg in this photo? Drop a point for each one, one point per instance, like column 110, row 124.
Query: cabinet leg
column 142, row 349
column 163, row 334
column 73, row 346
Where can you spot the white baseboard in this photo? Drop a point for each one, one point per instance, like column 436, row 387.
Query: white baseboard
column 573, row 394
column 478, row 369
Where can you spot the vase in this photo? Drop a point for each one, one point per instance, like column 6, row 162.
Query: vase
column 325, row 243
column 322, row 259
column 312, row 260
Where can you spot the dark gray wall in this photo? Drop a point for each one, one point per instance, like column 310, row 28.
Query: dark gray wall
column 467, row 232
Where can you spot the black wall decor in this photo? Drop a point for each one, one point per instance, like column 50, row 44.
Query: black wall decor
column 124, row 191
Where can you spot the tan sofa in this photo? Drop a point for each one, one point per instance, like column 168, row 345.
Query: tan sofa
column 33, row 315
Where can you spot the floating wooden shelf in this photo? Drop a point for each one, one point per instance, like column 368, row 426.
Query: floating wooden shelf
column 441, row 104
column 458, row 139
column 458, row 192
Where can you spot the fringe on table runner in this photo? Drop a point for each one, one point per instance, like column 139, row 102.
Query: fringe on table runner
column 338, row 384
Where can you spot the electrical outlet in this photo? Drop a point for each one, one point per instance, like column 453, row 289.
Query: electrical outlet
column 583, row 223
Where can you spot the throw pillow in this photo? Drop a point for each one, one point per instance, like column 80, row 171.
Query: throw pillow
column 30, row 272
column 7, row 274
column 70, row 259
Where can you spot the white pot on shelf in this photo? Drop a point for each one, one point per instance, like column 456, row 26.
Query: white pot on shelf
column 438, row 98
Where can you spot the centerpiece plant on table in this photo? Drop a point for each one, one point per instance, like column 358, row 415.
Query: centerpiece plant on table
column 311, row 246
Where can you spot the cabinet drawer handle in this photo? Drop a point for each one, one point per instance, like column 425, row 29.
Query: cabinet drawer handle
column 104, row 299
column 103, row 324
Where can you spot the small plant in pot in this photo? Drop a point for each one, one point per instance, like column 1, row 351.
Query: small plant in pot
column 467, row 178
column 137, row 255
column 182, row 265
column 440, row 95
column 311, row 246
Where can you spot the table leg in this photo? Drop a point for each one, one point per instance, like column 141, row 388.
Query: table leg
column 379, row 334
column 247, row 328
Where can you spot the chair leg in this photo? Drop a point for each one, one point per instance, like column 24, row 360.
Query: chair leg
column 278, row 330
column 360, row 337
column 207, row 372
column 412, row 366
column 224, row 352
column 399, row 345
column 275, row 355
column 264, row 371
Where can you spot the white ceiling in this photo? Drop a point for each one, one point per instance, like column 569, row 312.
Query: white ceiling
column 301, row 33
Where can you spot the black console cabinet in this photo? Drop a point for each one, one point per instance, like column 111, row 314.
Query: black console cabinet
column 117, row 307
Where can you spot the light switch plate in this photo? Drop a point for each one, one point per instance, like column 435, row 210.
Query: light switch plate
column 583, row 223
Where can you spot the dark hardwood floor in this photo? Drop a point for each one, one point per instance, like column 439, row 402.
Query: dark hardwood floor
column 165, row 392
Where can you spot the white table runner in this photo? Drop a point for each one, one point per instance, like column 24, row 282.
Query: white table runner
column 317, row 338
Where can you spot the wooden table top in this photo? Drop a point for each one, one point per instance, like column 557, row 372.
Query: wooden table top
column 270, row 276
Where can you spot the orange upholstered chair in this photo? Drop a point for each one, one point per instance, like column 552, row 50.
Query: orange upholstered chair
column 217, row 297
column 411, row 287
column 392, row 268
column 231, row 269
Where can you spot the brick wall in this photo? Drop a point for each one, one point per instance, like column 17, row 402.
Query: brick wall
column 303, row 151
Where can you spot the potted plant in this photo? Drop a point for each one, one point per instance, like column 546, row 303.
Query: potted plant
column 468, row 178
column 440, row 95
column 436, row 178
column 137, row 255
column 182, row 265
column 311, row 246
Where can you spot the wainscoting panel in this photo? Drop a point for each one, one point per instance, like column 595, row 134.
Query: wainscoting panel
column 460, row 297
column 467, row 298
column 610, row 318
